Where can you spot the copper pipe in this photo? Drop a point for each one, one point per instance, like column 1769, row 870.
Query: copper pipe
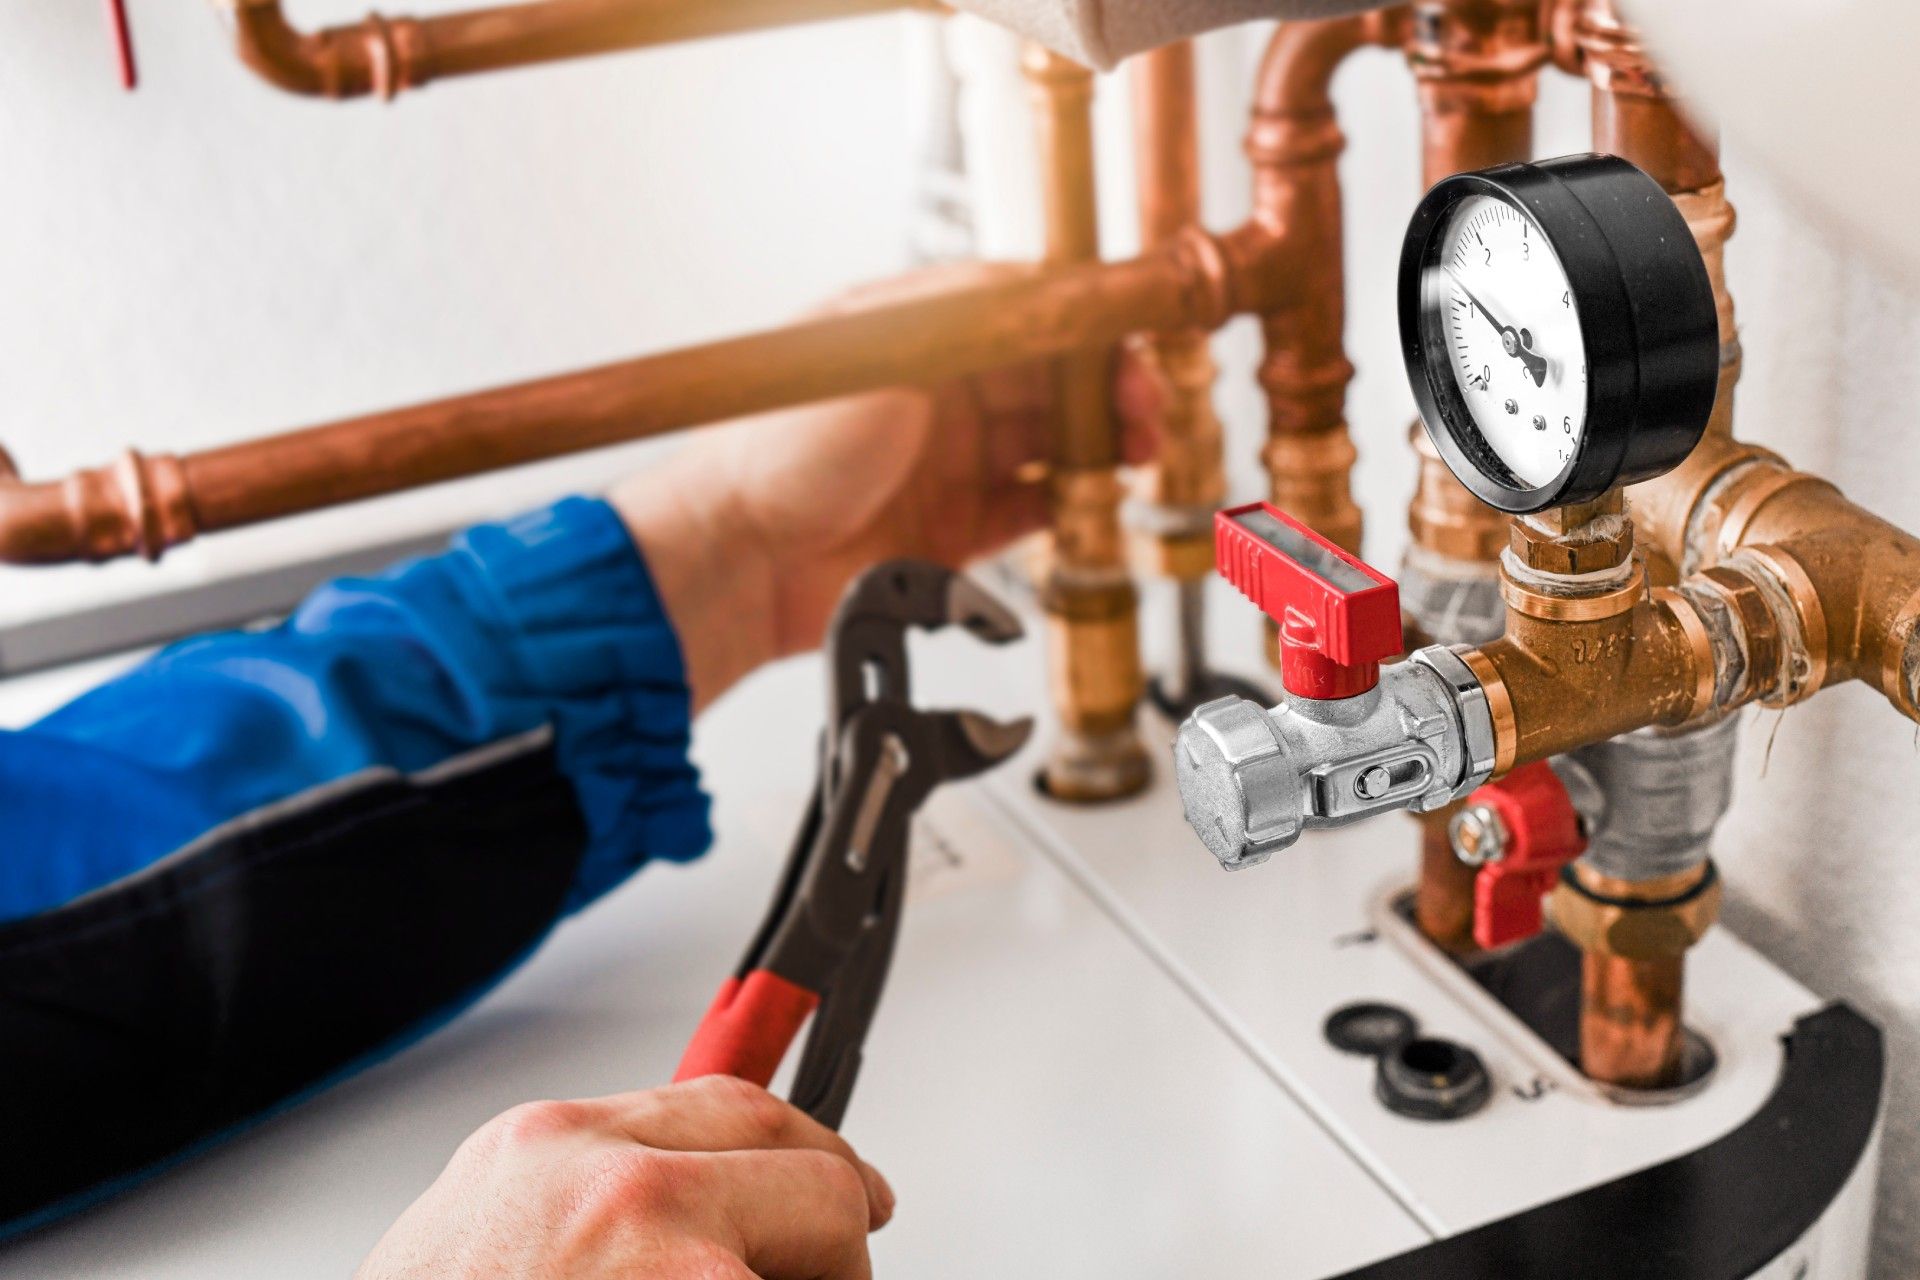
column 1476, row 65
column 1091, row 604
column 146, row 504
column 1630, row 1033
column 1187, row 482
column 1634, row 112
column 1443, row 898
column 1634, row 936
column 383, row 56
column 1294, row 142
column 1188, row 478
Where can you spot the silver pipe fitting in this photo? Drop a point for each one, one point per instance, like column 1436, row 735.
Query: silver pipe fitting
column 1452, row 601
column 1664, row 792
column 1253, row 779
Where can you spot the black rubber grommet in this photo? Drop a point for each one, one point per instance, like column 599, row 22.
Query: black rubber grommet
column 1432, row 1079
column 1369, row 1028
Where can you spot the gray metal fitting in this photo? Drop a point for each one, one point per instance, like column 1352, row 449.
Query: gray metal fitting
column 1451, row 602
column 1252, row 779
column 1478, row 835
column 1665, row 790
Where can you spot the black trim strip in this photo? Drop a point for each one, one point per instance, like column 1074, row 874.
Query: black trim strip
column 1720, row 1213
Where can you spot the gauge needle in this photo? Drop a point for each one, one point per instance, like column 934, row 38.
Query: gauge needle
column 1509, row 338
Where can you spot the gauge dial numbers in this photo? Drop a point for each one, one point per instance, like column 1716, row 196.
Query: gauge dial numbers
column 1558, row 328
column 1514, row 337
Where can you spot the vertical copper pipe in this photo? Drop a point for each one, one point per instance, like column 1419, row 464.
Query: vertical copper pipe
column 1631, row 1010
column 1443, row 898
column 1634, row 112
column 1631, row 1034
column 1188, row 480
column 1477, row 64
column 1477, row 67
column 1090, row 600
column 1294, row 142
column 1636, row 116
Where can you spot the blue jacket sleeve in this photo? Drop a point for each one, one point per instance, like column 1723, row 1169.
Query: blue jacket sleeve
column 551, row 619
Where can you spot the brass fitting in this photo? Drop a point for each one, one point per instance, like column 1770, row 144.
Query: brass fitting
column 1187, row 482
column 1635, row 920
column 1093, row 659
column 1085, row 505
column 1588, row 657
column 1843, row 584
column 1586, row 538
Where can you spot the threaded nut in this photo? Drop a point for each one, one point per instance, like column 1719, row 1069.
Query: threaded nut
column 1635, row 930
column 1556, row 553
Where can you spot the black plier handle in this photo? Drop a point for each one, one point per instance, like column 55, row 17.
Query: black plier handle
column 826, row 943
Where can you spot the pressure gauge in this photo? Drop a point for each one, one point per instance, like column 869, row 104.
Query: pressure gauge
column 1559, row 329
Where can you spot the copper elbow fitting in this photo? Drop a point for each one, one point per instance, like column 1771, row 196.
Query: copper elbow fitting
column 377, row 56
column 1634, row 111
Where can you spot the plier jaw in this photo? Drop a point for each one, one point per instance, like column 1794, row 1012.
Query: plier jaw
column 826, row 943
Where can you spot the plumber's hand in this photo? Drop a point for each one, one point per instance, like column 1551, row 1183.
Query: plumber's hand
column 714, row 1179
column 753, row 530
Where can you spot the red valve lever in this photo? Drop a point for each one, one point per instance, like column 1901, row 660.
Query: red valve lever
column 1542, row 835
column 122, row 42
column 1339, row 616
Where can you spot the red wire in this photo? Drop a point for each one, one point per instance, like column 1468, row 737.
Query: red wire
column 122, row 41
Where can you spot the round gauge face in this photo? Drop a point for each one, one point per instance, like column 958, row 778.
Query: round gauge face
column 1513, row 335
column 1558, row 328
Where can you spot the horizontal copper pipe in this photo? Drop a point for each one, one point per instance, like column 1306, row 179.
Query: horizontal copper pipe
column 146, row 504
column 383, row 56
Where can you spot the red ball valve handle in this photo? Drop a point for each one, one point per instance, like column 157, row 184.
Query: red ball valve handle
column 1528, row 829
column 1339, row 616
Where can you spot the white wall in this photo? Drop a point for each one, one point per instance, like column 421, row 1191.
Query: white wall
column 210, row 259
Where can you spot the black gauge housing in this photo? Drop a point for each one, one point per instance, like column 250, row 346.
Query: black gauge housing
column 1647, row 321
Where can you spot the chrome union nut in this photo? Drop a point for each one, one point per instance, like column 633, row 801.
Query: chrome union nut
column 1243, row 797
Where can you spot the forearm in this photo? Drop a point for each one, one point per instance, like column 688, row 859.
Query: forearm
column 709, row 567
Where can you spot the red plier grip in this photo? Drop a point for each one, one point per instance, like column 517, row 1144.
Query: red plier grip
column 748, row 1028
